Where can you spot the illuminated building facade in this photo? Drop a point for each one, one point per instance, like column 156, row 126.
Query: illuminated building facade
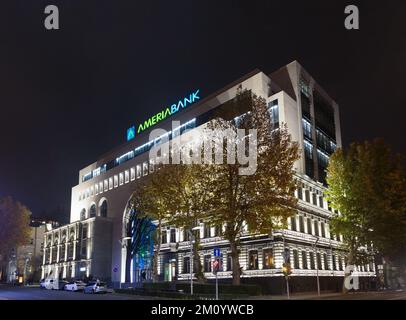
column 97, row 241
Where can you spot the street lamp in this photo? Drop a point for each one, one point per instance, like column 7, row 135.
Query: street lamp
column 192, row 239
column 317, row 265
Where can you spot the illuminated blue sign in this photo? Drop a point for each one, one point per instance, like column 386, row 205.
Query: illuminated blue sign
column 130, row 133
column 165, row 113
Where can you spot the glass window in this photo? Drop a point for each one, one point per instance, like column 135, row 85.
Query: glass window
column 334, row 262
column 92, row 211
column 83, row 250
column 100, row 186
column 316, row 228
column 138, row 171
column 309, row 226
column 106, row 185
column 110, row 183
column 321, row 202
column 186, row 235
column 301, row 224
column 126, row 176
column 207, row 228
column 325, row 258
column 218, row 231
column 173, row 235
column 300, row 193
column 319, row 266
column 307, row 193
column 164, row 236
column 268, row 259
column 103, row 209
column 323, row 230
column 91, row 191
column 84, row 231
column 229, row 262
column 207, row 263
column 293, row 223
column 96, row 189
column 253, row 260
column 340, row 264
column 83, row 214
column 304, row 260
column 145, row 168
column 296, row 259
column 312, row 264
column 186, row 264
column 132, row 171
column 314, row 199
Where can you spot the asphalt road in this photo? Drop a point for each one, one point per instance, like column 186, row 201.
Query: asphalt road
column 35, row 293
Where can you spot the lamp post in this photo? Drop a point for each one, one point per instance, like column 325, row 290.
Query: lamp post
column 192, row 239
column 317, row 265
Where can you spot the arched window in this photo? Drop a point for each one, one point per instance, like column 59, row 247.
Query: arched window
column 92, row 211
column 103, row 209
column 83, row 214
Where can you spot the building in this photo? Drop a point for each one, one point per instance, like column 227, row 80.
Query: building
column 95, row 242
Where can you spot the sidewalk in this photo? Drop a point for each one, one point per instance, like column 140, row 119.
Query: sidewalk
column 297, row 296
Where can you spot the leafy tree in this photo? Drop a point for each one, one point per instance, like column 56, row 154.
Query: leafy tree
column 367, row 184
column 263, row 200
column 14, row 227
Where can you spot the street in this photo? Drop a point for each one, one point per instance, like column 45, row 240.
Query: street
column 35, row 293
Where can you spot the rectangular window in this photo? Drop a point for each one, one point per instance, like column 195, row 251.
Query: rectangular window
column 340, row 264
column 91, row 191
column 207, row 228
column 138, row 171
column 296, row 259
column 312, row 264
column 85, row 231
column 293, row 223
column 100, row 186
column 326, row 266
column 132, row 170
column 106, row 185
column 121, row 178
column 186, row 264
column 309, row 226
column 300, row 193
column 164, row 236
column 83, row 250
column 307, row 194
column 334, row 262
column 207, row 263
column 319, row 266
column 316, row 228
column 268, row 262
column 321, row 202
column 110, row 183
column 186, row 235
column 115, row 181
column 229, row 262
column 173, row 235
column 145, row 168
column 304, row 260
column 301, row 224
column 253, row 260
column 323, row 230
column 96, row 189
column 314, row 199
column 126, row 176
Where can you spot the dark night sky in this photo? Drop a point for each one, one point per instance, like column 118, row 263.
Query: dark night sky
column 67, row 96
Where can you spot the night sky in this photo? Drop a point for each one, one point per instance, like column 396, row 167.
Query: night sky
column 67, row 96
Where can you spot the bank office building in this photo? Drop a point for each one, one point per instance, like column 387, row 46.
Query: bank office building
column 98, row 240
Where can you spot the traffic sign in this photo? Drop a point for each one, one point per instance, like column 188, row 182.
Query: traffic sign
column 217, row 252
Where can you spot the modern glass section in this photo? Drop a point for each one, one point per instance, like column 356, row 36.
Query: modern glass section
column 273, row 109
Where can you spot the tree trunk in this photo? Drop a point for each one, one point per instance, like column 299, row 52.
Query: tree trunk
column 236, row 263
column 156, row 255
column 347, row 272
column 197, row 263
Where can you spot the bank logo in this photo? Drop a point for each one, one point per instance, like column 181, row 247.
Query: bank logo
column 130, row 133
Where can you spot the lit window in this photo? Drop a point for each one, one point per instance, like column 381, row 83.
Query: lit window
column 139, row 173
column 253, row 260
column 151, row 165
column 121, row 178
column 268, row 259
column 207, row 263
column 127, row 176
column 145, row 168
column 96, row 189
column 106, row 185
column 132, row 171
column 100, row 187
column 110, row 183
column 115, row 181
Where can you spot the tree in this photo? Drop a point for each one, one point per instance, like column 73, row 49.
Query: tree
column 14, row 227
column 173, row 195
column 367, row 185
column 263, row 200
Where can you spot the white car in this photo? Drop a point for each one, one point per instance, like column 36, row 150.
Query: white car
column 95, row 287
column 75, row 286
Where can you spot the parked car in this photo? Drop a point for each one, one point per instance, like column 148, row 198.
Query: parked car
column 95, row 287
column 55, row 284
column 75, row 286
column 42, row 283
